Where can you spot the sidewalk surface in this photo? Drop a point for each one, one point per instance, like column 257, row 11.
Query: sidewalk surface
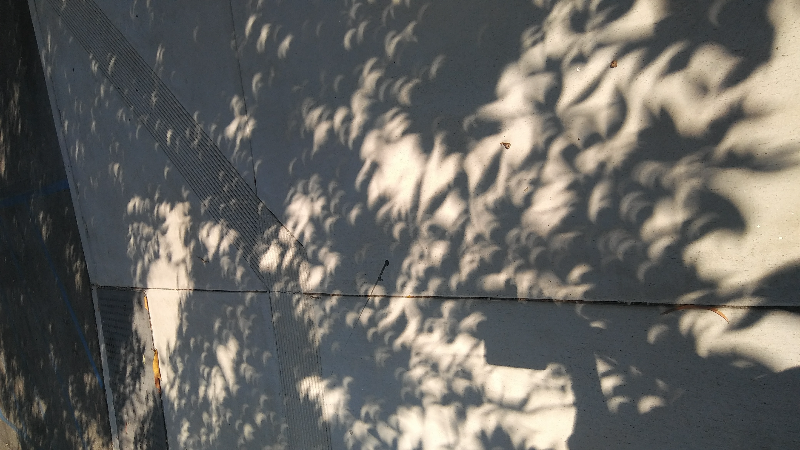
column 413, row 225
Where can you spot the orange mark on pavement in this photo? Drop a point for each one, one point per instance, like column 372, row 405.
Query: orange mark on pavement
column 709, row 308
column 156, row 372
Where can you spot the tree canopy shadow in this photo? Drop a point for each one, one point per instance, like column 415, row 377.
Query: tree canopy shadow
column 51, row 390
column 538, row 150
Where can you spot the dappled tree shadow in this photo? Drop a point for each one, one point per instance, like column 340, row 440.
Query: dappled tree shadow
column 393, row 130
column 397, row 135
column 51, row 394
column 378, row 130
column 221, row 387
column 129, row 355
column 638, row 382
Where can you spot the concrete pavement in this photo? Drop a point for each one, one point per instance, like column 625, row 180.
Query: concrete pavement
column 252, row 166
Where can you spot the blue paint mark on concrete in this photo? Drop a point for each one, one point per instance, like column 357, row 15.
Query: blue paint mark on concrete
column 19, row 414
column 19, row 199
column 16, row 430
column 64, row 390
column 24, row 198
column 65, row 298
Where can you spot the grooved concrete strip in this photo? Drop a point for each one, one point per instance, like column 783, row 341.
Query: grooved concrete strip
column 300, row 366
column 225, row 195
column 129, row 347
column 275, row 256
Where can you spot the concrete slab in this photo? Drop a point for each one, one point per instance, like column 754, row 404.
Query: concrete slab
column 428, row 157
column 155, row 234
column 193, row 52
column 219, row 369
column 51, row 392
column 348, row 161
column 436, row 373
column 51, row 362
column 379, row 131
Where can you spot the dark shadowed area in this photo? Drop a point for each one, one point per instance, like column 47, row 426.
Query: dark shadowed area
column 51, row 395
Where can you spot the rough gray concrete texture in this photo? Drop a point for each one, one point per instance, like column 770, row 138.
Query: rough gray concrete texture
column 664, row 179
column 625, row 155
column 219, row 370
column 50, row 391
column 514, row 375
column 269, row 249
